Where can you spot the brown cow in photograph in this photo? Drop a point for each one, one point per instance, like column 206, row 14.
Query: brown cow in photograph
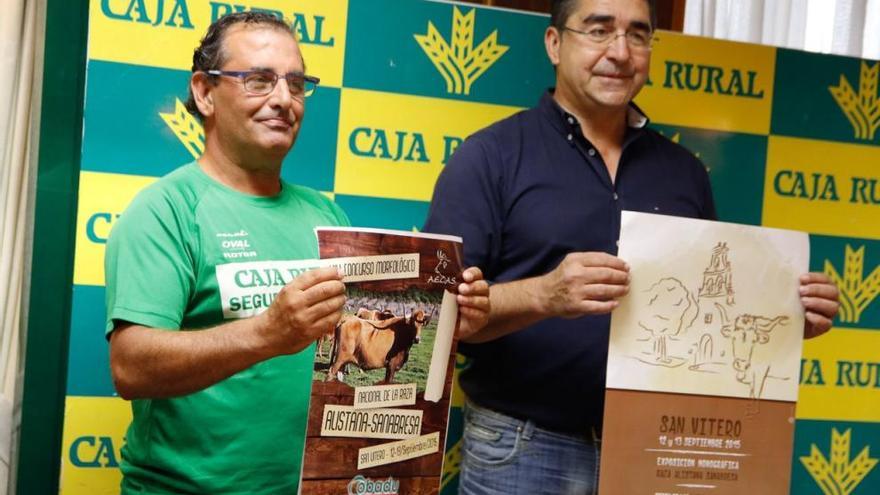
column 326, row 338
column 374, row 344
column 362, row 313
column 373, row 314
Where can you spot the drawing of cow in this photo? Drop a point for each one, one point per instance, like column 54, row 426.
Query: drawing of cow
column 745, row 333
column 374, row 344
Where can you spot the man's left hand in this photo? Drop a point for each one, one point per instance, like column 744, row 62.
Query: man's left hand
column 473, row 302
column 820, row 298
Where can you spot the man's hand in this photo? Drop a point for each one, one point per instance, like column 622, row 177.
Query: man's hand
column 473, row 302
column 150, row 363
column 584, row 284
column 306, row 308
column 821, row 300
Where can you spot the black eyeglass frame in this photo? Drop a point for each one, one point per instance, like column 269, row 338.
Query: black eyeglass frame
column 613, row 35
column 242, row 75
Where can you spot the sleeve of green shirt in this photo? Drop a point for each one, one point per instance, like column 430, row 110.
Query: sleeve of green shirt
column 341, row 217
column 149, row 264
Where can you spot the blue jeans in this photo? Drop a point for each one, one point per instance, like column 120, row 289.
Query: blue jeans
column 507, row 456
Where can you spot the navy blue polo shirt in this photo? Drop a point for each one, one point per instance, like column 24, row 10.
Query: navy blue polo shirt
column 523, row 193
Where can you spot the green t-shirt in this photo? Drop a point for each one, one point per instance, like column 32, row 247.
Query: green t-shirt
column 190, row 253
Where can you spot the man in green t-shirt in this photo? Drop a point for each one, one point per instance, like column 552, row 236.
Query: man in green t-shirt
column 210, row 297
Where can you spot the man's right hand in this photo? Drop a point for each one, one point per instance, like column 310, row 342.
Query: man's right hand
column 584, row 283
column 150, row 363
column 306, row 308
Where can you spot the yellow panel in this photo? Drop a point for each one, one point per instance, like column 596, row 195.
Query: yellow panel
column 399, row 154
column 841, row 376
column 164, row 33
column 94, row 431
column 102, row 198
column 712, row 84
column 822, row 187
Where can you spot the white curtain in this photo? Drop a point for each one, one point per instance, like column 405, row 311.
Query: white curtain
column 844, row 27
column 21, row 36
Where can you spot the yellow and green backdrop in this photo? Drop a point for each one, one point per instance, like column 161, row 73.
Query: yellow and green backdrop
column 789, row 138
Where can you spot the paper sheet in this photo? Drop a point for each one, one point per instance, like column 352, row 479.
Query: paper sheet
column 713, row 309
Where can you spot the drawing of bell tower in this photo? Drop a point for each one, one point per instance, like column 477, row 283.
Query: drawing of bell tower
column 717, row 277
column 714, row 295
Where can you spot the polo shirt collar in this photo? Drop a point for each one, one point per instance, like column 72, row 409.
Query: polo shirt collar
column 635, row 117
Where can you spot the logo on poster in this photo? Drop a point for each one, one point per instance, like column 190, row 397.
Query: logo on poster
column 440, row 277
column 711, row 79
column 98, row 226
column 460, row 64
column 816, row 186
column 93, row 452
column 176, row 15
column 840, row 475
column 374, row 143
column 406, row 146
column 862, row 109
column 856, row 292
column 366, row 486
column 186, row 127
column 451, row 461
column 309, row 29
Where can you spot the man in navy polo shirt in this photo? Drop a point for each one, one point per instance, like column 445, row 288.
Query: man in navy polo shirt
column 537, row 198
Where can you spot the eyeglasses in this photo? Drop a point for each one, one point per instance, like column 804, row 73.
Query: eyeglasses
column 262, row 82
column 603, row 37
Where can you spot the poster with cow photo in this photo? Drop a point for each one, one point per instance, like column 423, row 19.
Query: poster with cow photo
column 383, row 376
column 704, row 359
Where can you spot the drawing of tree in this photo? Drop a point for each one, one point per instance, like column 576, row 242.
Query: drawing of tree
column 671, row 310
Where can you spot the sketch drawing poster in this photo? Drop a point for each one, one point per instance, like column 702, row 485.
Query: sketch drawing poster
column 383, row 376
column 704, row 357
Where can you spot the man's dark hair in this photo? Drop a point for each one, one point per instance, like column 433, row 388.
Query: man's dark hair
column 210, row 54
column 561, row 10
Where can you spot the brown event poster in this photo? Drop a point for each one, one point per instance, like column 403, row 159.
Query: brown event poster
column 383, row 377
column 703, row 359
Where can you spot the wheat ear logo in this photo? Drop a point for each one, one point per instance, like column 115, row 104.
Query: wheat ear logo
column 187, row 129
column 838, row 475
column 862, row 108
column 451, row 464
column 856, row 293
column 460, row 64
